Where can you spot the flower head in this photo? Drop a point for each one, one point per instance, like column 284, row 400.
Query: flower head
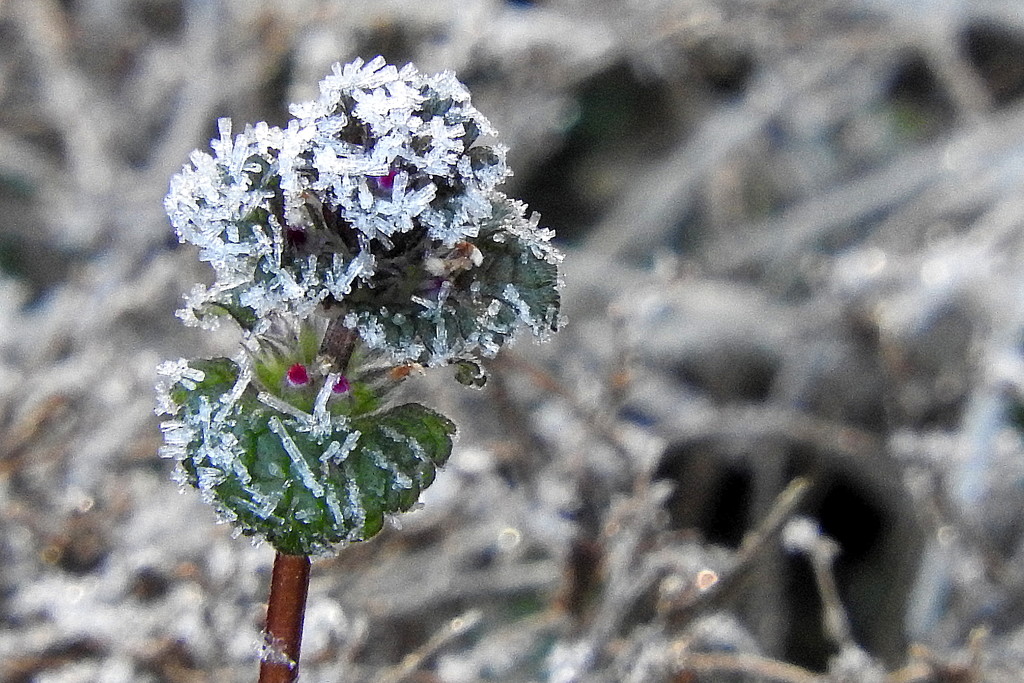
column 376, row 205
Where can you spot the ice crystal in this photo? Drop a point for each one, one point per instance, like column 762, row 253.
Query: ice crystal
column 272, row 650
column 365, row 238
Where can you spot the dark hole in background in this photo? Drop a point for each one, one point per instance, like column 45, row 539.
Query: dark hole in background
column 997, row 54
column 713, row 497
column 619, row 115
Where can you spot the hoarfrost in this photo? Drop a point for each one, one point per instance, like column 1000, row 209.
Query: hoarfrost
column 170, row 374
column 177, row 435
column 512, row 296
column 271, row 650
column 209, row 477
column 261, row 503
column 282, row 406
column 298, row 219
column 337, row 452
column 320, row 425
column 823, row 138
column 353, row 507
column 401, row 480
column 229, row 399
column 340, row 277
column 309, row 479
column 180, row 371
column 403, row 439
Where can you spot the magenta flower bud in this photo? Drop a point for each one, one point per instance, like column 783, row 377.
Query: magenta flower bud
column 387, row 182
column 341, row 386
column 297, row 375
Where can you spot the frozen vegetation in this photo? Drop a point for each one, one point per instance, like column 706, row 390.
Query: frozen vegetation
column 779, row 439
column 351, row 248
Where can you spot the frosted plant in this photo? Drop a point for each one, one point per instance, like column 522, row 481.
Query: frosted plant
column 363, row 241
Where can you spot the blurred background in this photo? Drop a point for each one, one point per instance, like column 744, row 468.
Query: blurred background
column 779, row 440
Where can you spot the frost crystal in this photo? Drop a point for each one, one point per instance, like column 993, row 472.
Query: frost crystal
column 298, row 459
column 365, row 238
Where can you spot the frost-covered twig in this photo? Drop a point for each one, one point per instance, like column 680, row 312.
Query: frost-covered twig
column 455, row 628
column 754, row 542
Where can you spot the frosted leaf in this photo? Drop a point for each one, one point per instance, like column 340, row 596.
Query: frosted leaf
column 298, row 218
column 425, row 122
column 341, row 483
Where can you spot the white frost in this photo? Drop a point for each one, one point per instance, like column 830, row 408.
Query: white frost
column 309, row 479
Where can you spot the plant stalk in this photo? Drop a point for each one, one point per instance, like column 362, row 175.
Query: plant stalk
column 289, row 585
column 338, row 344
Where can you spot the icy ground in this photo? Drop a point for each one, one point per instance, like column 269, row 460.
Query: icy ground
column 780, row 437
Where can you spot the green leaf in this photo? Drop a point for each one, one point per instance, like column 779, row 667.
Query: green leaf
column 398, row 455
column 511, row 260
column 266, row 472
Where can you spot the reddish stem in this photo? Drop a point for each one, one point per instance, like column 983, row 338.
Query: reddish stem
column 288, row 587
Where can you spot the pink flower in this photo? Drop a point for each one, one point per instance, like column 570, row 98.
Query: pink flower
column 297, row 375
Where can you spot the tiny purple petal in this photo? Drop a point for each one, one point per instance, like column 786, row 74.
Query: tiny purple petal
column 341, row 386
column 387, row 182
